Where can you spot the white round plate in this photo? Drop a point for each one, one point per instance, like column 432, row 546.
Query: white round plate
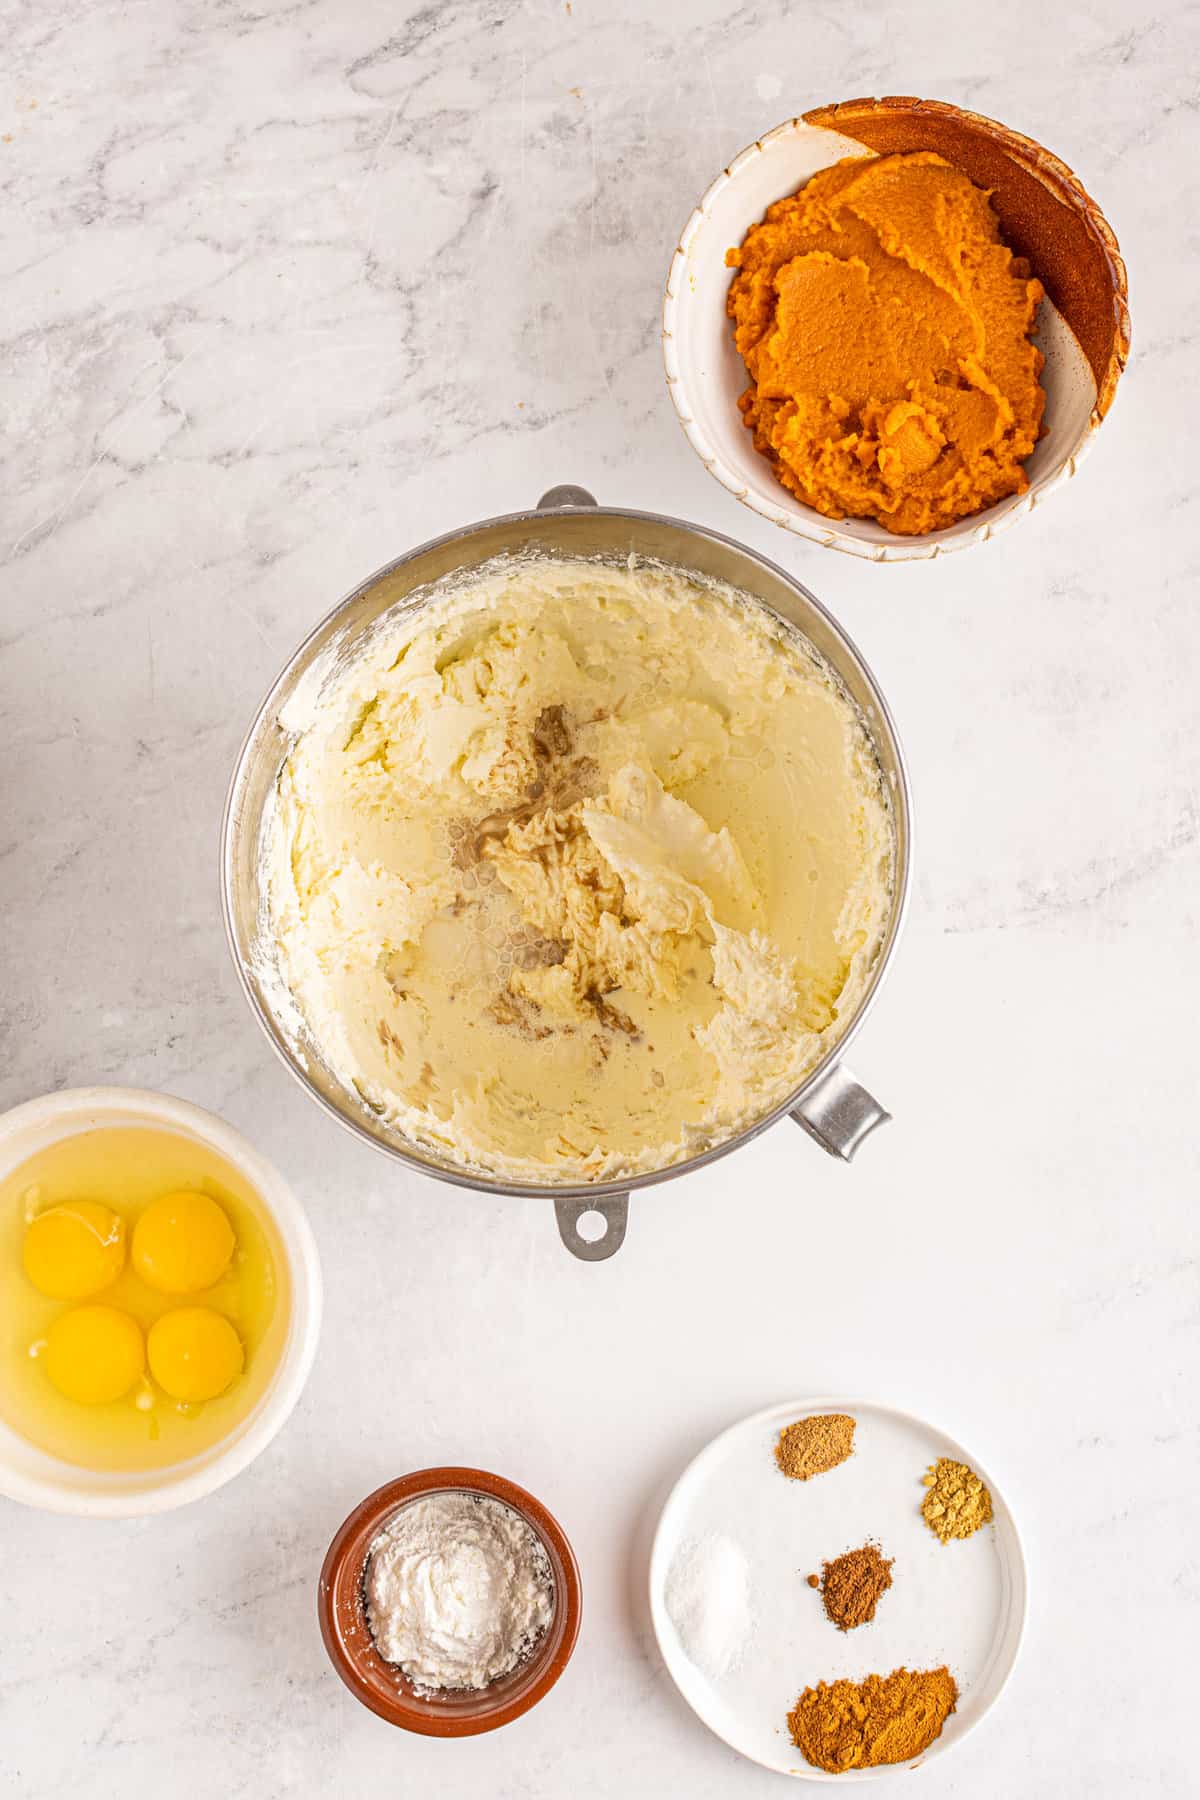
column 962, row 1603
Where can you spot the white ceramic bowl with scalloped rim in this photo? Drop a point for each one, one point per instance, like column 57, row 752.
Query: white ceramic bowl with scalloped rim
column 1044, row 203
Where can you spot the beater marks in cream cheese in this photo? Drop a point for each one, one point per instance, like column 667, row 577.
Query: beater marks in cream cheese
column 577, row 868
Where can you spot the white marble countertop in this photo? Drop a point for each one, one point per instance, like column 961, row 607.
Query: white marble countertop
column 288, row 288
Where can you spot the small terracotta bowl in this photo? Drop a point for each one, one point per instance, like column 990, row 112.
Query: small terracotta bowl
column 1046, row 216
column 381, row 1685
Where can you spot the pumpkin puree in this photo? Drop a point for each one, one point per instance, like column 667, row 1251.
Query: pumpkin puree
column 886, row 329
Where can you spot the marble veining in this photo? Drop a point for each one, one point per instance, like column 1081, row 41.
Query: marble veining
column 288, row 288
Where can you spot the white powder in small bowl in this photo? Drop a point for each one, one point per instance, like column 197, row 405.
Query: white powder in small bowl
column 458, row 1589
column 708, row 1600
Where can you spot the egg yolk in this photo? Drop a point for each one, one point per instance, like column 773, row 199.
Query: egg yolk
column 182, row 1243
column 74, row 1250
column 195, row 1353
column 94, row 1354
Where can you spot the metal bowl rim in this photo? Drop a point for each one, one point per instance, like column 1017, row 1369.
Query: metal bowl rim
column 901, row 801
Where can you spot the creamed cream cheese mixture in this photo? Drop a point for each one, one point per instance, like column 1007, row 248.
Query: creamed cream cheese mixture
column 577, row 868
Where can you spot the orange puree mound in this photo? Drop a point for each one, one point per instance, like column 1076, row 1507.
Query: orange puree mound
column 886, row 328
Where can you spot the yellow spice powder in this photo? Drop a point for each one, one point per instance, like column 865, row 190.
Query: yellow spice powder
column 957, row 1502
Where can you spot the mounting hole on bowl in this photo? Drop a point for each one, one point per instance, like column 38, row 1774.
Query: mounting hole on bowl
column 592, row 1229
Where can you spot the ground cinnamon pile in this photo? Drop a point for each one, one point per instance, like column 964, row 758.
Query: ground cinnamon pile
column 851, row 1586
column 957, row 1503
column 813, row 1446
column 840, row 1725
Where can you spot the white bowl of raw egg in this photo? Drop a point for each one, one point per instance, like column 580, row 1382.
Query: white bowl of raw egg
column 160, row 1302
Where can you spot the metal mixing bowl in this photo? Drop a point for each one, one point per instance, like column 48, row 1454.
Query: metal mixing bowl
column 829, row 1104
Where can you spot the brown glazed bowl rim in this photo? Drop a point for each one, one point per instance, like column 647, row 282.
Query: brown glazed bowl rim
column 854, row 117
column 381, row 1686
column 1046, row 216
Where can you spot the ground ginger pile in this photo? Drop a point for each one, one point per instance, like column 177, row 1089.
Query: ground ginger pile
column 957, row 1503
column 840, row 1725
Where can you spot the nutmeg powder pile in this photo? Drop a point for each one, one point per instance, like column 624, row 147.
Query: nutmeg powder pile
column 851, row 1586
column 816, row 1445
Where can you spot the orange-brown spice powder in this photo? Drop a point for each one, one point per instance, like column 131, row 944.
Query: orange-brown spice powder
column 840, row 1725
